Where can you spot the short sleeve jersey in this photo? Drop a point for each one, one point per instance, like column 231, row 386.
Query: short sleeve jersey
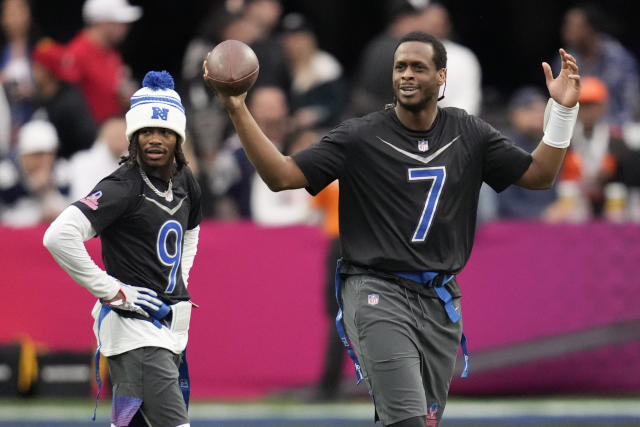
column 408, row 199
column 142, row 233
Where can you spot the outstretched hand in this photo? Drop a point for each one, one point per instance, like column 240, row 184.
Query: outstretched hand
column 229, row 102
column 564, row 89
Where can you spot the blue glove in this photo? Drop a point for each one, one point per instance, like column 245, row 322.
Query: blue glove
column 159, row 313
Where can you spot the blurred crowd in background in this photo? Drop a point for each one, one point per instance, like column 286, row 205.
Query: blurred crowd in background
column 62, row 106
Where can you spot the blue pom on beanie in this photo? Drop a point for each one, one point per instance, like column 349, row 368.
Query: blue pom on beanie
column 158, row 80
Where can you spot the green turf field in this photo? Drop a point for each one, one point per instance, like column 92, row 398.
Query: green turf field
column 548, row 411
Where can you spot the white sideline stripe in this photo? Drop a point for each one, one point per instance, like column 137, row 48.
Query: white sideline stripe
column 5, row 372
column 355, row 411
column 66, row 373
column 456, row 409
column 548, row 407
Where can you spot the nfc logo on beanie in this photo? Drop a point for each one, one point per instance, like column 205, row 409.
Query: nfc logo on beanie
column 156, row 104
column 160, row 113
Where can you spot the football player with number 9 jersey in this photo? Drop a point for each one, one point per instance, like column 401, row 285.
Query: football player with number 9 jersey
column 147, row 214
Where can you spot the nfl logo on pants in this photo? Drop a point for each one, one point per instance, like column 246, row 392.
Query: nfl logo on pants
column 373, row 299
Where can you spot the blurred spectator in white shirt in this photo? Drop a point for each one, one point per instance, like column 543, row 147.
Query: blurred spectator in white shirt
column 87, row 167
column 272, row 209
column 32, row 188
column 464, row 76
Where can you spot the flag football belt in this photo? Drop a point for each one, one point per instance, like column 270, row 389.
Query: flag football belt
column 437, row 281
column 432, row 279
column 159, row 318
column 340, row 326
column 163, row 316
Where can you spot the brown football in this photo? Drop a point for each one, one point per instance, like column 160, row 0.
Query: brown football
column 231, row 67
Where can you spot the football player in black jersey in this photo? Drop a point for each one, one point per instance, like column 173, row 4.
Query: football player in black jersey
column 409, row 179
column 147, row 214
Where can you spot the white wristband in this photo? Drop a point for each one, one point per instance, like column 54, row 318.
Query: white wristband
column 559, row 122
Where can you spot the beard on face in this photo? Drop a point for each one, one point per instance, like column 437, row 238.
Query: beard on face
column 415, row 107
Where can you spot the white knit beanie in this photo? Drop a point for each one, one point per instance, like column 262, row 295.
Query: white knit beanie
column 156, row 105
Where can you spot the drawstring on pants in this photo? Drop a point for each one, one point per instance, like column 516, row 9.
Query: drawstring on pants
column 406, row 297
column 424, row 313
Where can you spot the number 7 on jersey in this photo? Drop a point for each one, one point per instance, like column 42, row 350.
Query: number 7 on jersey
column 438, row 176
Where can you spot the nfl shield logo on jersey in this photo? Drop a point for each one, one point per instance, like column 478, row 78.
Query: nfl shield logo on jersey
column 423, row 145
column 373, row 299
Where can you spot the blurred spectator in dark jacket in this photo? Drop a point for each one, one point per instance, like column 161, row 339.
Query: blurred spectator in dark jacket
column 231, row 175
column 5, row 125
column 265, row 16
column 252, row 23
column 318, row 89
column 526, row 113
column 626, row 152
column 62, row 102
column 208, row 122
column 600, row 55
column 15, row 62
column 373, row 89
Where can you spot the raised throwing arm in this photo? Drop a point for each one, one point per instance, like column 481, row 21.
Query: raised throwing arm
column 278, row 171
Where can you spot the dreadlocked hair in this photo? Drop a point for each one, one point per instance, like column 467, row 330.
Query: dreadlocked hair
column 132, row 157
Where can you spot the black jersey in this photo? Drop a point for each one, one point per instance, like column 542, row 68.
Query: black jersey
column 141, row 232
column 408, row 199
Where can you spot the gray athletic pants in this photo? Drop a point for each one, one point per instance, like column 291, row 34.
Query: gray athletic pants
column 406, row 345
column 146, row 379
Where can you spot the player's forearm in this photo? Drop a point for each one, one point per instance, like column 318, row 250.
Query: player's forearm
column 65, row 239
column 279, row 172
column 544, row 168
column 558, row 126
